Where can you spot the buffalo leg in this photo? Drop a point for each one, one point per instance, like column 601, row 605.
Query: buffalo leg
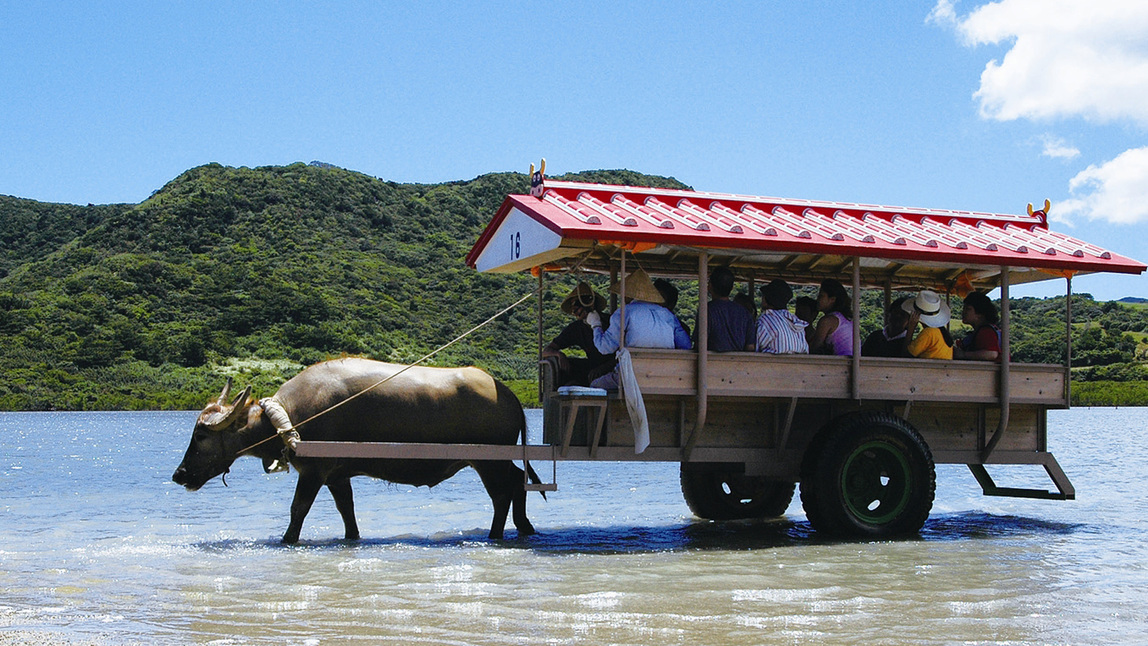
column 305, row 491
column 521, row 522
column 493, row 478
column 505, row 488
column 345, row 502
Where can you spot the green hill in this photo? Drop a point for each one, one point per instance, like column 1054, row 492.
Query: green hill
column 252, row 270
column 259, row 271
column 31, row 230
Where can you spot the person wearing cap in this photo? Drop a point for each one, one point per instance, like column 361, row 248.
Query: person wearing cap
column 892, row 340
column 576, row 371
column 778, row 330
column 984, row 342
column 648, row 324
column 730, row 324
column 934, row 341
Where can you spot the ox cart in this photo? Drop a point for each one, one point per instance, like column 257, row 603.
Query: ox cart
column 860, row 435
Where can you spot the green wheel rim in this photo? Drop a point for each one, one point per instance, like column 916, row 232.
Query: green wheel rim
column 876, row 481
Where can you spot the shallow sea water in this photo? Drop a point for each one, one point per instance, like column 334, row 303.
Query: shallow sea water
column 97, row 545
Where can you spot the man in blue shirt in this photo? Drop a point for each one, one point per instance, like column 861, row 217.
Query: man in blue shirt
column 731, row 324
column 648, row 324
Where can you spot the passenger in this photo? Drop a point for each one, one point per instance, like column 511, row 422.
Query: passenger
column 670, row 296
column 648, row 324
column 892, row 340
column 577, row 371
column 730, row 324
column 779, row 331
column 984, row 342
column 746, row 301
column 934, row 341
column 834, row 333
column 805, row 308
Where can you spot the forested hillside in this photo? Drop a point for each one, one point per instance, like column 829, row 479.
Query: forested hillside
column 252, row 270
column 260, row 271
column 31, row 229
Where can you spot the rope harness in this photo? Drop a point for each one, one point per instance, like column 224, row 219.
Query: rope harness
column 286, row 432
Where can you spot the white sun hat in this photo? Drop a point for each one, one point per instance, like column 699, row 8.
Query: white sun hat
column 934, row 311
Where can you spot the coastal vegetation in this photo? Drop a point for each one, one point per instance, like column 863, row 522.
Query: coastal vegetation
column 257, row 272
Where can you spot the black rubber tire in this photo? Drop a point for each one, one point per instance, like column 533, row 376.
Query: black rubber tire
column 721, row 492
column 868, row 475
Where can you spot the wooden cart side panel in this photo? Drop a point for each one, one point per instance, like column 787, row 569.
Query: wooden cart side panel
column 730, row 422
column 760, row 423
column 956, row 427
column 742, row 374
column 748, row 374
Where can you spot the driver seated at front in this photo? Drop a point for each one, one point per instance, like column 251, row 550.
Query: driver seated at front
column 578, row 371
column 648, row 324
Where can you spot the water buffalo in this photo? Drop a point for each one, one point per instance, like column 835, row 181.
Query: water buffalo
column 439, row 405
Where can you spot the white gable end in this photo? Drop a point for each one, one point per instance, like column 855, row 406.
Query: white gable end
column 519, row 243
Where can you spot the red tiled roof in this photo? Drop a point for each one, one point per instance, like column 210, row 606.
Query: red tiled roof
column 606, row 213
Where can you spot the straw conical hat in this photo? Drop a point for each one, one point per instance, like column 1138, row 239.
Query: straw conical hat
column 640, row 288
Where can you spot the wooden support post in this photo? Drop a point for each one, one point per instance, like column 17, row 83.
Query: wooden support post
column 541, row 294
column 1006, row 332
column 703, row 324
column 682, row 422
column 622, row 304
column 750, row 285
column 613, row 281
column 888, row 301
column 856, row 367
column 784, row 439
column 1068, row 344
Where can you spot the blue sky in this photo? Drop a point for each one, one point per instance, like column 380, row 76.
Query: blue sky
column 962, row 105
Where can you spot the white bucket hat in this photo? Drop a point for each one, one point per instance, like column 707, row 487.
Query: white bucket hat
column 934, row 312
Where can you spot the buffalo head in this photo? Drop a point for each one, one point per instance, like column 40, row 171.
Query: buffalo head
column 214, row 443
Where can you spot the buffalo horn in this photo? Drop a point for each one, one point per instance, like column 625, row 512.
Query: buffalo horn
column 223, row 395
column 225, row 418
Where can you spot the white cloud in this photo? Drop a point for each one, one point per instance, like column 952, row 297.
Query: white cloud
column 943, row 14
column 1116, row 191
column 1057, row 148
column 1067, row 58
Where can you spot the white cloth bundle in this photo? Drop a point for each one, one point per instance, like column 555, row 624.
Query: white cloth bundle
column 634, row 403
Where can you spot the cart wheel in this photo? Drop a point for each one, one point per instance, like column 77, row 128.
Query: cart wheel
column 719, row 492
column 868, row 475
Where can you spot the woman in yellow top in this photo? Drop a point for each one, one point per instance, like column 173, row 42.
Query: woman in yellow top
column 934, row 341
